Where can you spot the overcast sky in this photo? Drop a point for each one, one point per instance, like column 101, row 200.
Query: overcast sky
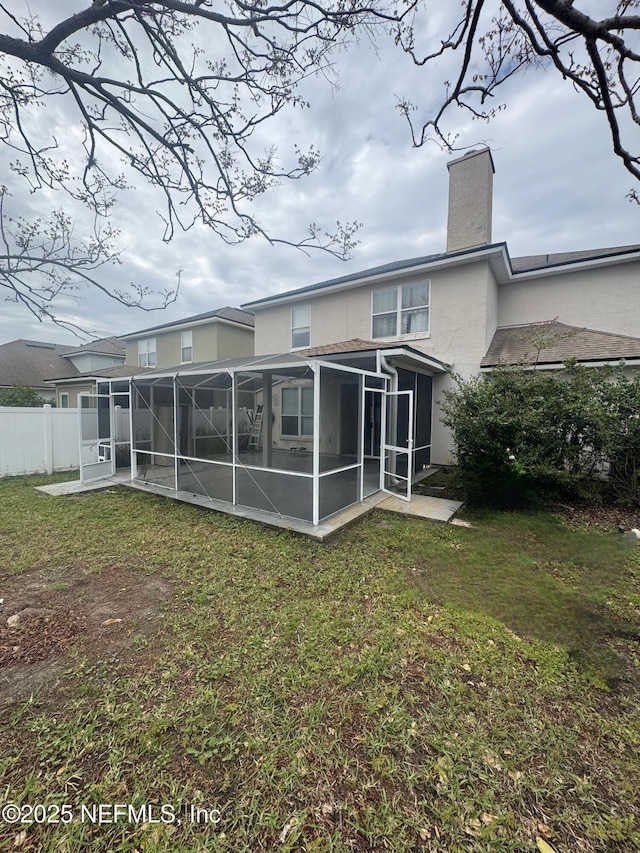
column 557, row 187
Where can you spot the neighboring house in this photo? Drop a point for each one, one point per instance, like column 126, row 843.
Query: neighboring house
column 36, row 363
column 342, row 397
column 68, row 389
column 212, row 336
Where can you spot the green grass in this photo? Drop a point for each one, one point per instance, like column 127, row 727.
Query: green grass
column 407, row 686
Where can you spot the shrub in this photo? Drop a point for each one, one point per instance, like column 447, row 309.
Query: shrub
column 21, row 395
column 523, row 435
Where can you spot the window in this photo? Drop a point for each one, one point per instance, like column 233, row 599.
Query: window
column 147, row 352
column 297, row 411
column 402, row 310
column 186, row 347
column 300, row 326
column 64, row 401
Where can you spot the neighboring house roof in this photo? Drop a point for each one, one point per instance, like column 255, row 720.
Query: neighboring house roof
column 104, row 346
column 25, row 362
column 506, row 268
column 553, row 343
column 33, row 363
column 231, row 315
column 116, row 372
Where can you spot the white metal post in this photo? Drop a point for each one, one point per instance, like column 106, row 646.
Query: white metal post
column 234, row 437
column 133, row 452
column 176, row 434
column 383, row 438
column 316, row 442
column 361, row 420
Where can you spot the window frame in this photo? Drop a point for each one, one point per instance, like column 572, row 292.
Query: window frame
column 188, row 346
column 64, row 399
column 301, row 328
column 399, row 312
column 302, row 417
column 147, row 351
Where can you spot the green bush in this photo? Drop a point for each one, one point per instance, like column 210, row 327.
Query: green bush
column 21, row 395
column 521, row 435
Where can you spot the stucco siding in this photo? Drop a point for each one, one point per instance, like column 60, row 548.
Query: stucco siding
column 210, row 342
column 73, row 391
column 233, row 342
column 607, row 299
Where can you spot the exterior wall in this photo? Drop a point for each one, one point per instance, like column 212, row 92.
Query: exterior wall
column 94, row 361
column 286, row 442
column 607, row 299
column 464, row 311
column 39, row 440
column 233, row 342
column 463, row 303
column 73, row 391
column 211, row 342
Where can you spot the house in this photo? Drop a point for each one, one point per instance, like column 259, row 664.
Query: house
column 223, row 333
column 47, row 366
column 468, row 308
column 341, row 400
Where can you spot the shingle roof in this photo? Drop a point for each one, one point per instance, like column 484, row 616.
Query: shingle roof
column 527, row 263
column 234, row 315
column 354, row 345
column 534, row 262
column 115, row 372
column 394, row 266
column 103, row 346
column 25, row 362
column 553, row 343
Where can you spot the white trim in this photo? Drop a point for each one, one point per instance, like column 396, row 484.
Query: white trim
column 316, row 444
column 299, row 328
column 337, row 470
column 189, row 346
column 399, row 311
column 186, row 324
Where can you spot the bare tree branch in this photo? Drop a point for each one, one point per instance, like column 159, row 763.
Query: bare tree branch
column 172, row 92
column 599, row 56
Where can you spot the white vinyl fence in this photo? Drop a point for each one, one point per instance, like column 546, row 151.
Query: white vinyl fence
column 38, row 440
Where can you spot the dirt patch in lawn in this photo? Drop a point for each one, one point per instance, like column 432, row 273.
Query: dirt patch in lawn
column 49, row 609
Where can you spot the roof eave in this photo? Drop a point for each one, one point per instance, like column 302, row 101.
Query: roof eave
column 496, row 253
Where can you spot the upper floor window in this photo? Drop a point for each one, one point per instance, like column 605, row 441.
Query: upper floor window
column 300, row 326
column 401, row 310
column 147, row 352
column 297, row 411
column 186, row 347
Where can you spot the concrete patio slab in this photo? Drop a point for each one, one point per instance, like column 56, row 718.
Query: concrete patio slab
column 421, row 506
column 434, row 509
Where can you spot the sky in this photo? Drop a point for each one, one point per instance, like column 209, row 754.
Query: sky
column 557, row 187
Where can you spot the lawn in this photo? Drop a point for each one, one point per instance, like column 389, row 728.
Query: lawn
column 405, row 686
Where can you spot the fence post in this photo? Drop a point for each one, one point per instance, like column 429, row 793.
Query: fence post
column 48, row 438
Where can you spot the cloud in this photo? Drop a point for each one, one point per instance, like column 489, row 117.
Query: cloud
column 557, row 187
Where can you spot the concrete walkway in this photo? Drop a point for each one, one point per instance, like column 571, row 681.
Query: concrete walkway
column 434, row 509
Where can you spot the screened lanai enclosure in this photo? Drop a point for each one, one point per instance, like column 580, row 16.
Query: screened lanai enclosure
column 295, row 437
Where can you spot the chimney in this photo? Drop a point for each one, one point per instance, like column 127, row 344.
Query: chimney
column 470, row 200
